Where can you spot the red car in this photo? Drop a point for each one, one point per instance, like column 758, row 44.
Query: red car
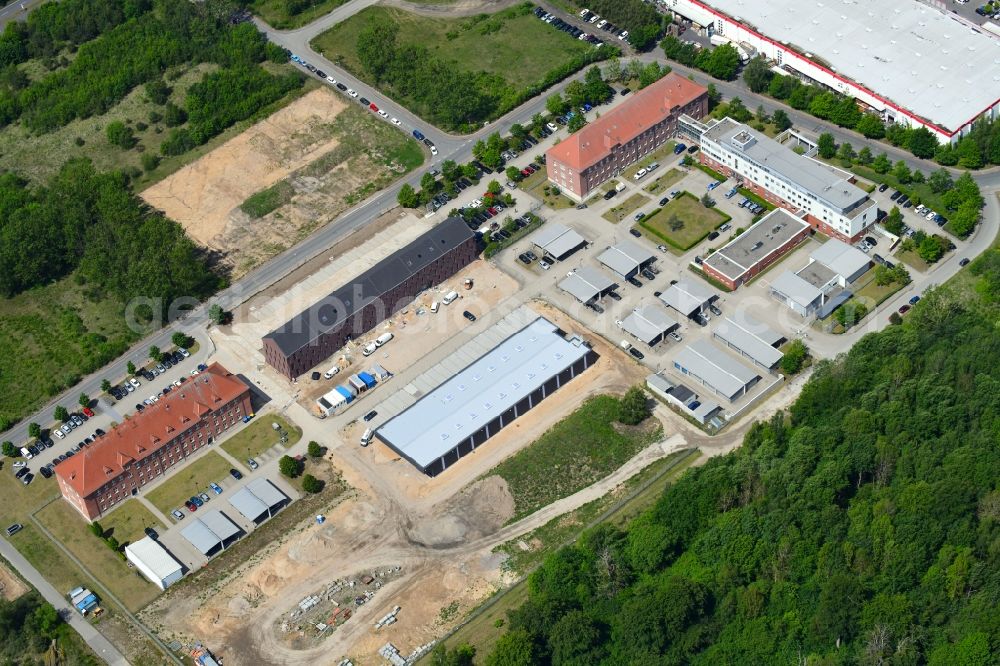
column 525, row 172
column 903, row 309
column 373, row 107
column 88, row 412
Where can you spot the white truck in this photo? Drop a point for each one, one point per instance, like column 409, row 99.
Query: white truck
column 383, row 339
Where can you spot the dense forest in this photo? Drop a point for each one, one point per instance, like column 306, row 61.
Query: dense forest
column 862, row 527
column 92, row 221
column 31, row 631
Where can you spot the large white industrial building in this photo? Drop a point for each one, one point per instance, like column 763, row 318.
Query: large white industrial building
column 154, row 562
column 910, row 62
column 824, row 196
column 482, row 388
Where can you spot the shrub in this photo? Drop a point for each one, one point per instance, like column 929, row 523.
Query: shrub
column 289, row 466
column 634, row 408
column 315, row 450
column 311, row 484
column 794, row 358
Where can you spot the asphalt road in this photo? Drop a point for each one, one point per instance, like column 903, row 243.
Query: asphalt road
column 97, row 642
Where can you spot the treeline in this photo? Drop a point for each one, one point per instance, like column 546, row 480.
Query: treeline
column 452, row 99
column 981, row 146
column 722, row 62
column 28, row 627
column 56, row 25
column 861, row 528
column 91, row 222
column 223, row 98
column 643, row 22
column 137, row 51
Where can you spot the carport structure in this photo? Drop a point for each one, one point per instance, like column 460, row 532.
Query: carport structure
column 258, row 500
column 755, row 342
column 211, row 531
column 587, row 284
column 715, row 370
column 626, row 258
column 687, row 297
column 558, row 240
column 649, row 323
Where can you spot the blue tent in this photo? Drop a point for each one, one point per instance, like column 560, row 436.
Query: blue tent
column 367, row 379
column 346, row 392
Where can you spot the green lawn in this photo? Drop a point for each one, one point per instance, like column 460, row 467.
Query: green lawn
column 697, row 222
column 661, row 184
column 521, row 51
column 872, row 294
column 53, row 336
column 57, row 568
column 74, row 533
column 275, row 13
column 913, row 260
column 538, row 186
column 192, row 479
column 581, row 449
column 625, row 208
column 259, row 436
column 128, row 520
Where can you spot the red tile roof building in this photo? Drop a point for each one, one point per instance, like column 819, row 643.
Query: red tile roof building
column 633, row 129
column 145, row 446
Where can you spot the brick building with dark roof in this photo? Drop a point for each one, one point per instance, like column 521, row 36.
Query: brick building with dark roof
column 145, row 446
column 360, row 305
column 633, row 129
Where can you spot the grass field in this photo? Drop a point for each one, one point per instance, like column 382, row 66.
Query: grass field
column 521, row 51
column 625, row 208
column 49, row 333
column 536, row 185
column 872, row 294
column 72, row 531
column 913, row 260
column 662, row 153
column 697, row 221
column 581, row 449
column 189, row 480
column 259, row 436
column 275, row 14
column 127, row 522
column 661, row 184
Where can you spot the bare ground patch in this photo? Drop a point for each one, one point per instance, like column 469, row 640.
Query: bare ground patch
column 11, row 587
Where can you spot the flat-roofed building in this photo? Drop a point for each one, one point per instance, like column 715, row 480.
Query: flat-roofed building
column 755, row 249
column 750, row 341
column 258, row 500
column 649, row 324
column 625, row 134
column 465, row 410
column 154, row 562
column 146, row 445
column 683, row 398
column 358, row 306
column 557, row 240
column 797, row 293
column 910, row 62
column 848, row 263
column 687, row 297
column 626, row 258
column 715, row 369
column 587, row 284
column 824, row 196
column 211, row 532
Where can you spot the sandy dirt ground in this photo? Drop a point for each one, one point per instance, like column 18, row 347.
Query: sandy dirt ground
column 11, row 587
column 202, row 195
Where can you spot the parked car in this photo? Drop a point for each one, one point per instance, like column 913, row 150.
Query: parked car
column 636, row 354
column 177, row 514
column 914, row 300
column 216, row 488
column 14, row 529
column 252, row 464
column 236, row 474
column 903, row 309
column 468, row 315
column 964, row 261
column 636, row 232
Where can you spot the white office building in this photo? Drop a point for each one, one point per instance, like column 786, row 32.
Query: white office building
column 820, row 194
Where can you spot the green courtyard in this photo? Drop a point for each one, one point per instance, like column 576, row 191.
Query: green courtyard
column 683, row 222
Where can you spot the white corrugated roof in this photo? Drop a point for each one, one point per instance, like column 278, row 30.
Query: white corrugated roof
column 792, row 286
column 686, row 296
column 154, row 557
column 586, row 283
column 481, row 391
column 918, row 56
column 841, row 258
column 557, row 239
column 248, row 504
column 747, row 342
column 209, row 530
column 625, row 257
column 715, row 367
column 648, row 322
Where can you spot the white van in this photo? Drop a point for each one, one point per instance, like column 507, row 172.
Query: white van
column 434, row 306
column 382, row 339
column 26, row 453
column 329, row 374
column 366, row 438
column 449, row 297
column 639, row 174
column 369, row 349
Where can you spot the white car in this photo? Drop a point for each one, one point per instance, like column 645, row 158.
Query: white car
column 619, row 323
column 622, row 37
column 58, row 433
column 184, row 352
column 544, row 265
column 331, row 80
column 19, row 464
column 595, row 18
column 476, row 203
column 552, row 127
column 350, row 91
column 434, row 150
column 66, row 429
column 134, row 383
column 583, row 36
column 930, row 214
column 129, row 388
column 383, row 113
column 395, row 121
